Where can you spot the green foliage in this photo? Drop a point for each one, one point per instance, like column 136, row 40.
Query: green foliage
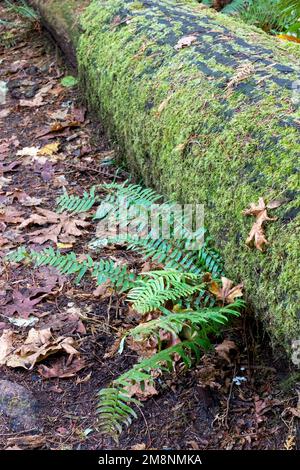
column 130, row 204
column 114, row 411
column 208, row 319
column 113, row 406
column 177, row 293
column 22, row 9
column 69, row 264
column 76, row 204
column 69, row 81
column 160, row 286
column 269, row 15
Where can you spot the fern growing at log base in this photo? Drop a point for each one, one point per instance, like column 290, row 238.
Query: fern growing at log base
column 115, row 403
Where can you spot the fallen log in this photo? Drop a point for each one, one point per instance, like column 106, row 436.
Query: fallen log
column 206, row 110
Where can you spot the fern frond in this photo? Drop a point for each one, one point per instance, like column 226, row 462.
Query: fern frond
column 120, row 277
column 150, row 294
column 114, row 411
column 23, row 10
column 114, row 403
column 76, row 204
column 208, row 318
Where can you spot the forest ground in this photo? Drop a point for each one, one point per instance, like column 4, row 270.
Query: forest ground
column 198, row 409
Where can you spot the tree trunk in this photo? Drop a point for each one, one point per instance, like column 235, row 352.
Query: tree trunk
column 205, row 109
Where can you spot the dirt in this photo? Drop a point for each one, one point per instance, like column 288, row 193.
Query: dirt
column 197, row 409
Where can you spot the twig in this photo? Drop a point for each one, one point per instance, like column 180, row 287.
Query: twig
column 229, row 398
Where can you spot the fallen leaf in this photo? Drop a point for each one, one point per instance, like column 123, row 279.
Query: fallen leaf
column 227, row 350
column 4, row 113
column 63, row 227
column 257, row 234
column 38, row 100
column 38, row 345
column 6, row 345
column 138, row 447
column 49, row 149
column 28, row 152
column 62, row 369
column 185, row 41
column 141, row 392
column 25, row 442
column 226, row 294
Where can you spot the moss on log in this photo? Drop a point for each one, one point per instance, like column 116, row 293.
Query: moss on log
column 215, row 122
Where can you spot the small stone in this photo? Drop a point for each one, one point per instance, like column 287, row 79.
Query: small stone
column 18, row 406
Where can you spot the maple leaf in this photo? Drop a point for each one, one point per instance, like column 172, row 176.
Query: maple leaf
column 63, row 227
column 226, row 293
column 257, row 234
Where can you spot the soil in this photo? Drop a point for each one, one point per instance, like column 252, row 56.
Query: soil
column 197, row 409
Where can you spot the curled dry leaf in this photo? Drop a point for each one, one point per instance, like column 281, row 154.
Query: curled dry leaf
column 49, row 149
column 226, row 294
column 257, row 236
column 38, row 345
column 141, row 392
column 25, row 442
column 62, row 369
column 227, row 350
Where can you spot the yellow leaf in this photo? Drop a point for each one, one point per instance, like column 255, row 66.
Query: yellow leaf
column 49, row 149
column 64, row 245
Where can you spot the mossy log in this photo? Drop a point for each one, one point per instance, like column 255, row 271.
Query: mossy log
column 216, row 122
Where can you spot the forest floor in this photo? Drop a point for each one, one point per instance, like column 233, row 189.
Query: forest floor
column 202, row 408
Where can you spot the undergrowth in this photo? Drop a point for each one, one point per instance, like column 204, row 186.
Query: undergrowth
column 178, row 311
column 273, row 16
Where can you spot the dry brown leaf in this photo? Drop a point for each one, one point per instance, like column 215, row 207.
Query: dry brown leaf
column 38, row 100
column 103, row 290
column 142, row 393
column 25, row 442
column 243, row 72
column 63, row 227
column 185, row 41
column 138, row 447
column 226, row 294
column 257, row 236
column 6, row 345
column 227, row 349
column 10, row 215
column 62, row 369
column 38, row 345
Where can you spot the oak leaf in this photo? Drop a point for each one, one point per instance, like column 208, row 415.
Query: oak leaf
column 257, row 235
column 227, row 293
